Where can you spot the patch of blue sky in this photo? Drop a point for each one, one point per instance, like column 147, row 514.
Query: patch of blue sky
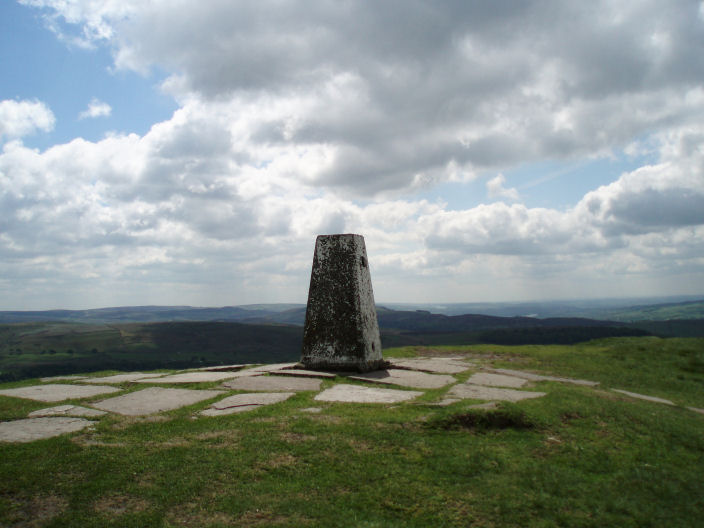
column 35, row 65
column 549, row 184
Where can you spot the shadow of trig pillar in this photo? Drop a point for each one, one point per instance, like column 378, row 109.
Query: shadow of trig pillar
column 341, row 331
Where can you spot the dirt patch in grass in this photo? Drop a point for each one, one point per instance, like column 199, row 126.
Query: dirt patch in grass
column 481, row 421
column 35, row 512
column 92, row 441
column 279, row 461
column 190, row 515
column 129, row 421
column 267, row 518
column 120, row 504
column 296, row 438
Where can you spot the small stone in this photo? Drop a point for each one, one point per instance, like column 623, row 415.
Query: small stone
column 357, row 394
column 644, row 397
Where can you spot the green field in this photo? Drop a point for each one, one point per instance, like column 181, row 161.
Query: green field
column 579, row 456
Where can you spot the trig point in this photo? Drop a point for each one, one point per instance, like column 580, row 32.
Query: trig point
column 341, row 330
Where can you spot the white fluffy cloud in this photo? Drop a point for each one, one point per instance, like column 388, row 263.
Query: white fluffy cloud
column 96, row 108
column 313, row 117
column 20, row 118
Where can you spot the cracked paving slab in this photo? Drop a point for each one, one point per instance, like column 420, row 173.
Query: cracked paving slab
column 54, row 392
column 66, row 410
column 358, row 394
column 245, row 402
column 467, row 391
column 305, row 373
column 434, row 365
column 154, row 400
column 496, row 380
column 406, row 378
column 31, row 429
column 273, row 383
column 531, row 376
column 192, row 377
column 121, row 378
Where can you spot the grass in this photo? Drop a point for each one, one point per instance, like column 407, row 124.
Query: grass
column 577, row 457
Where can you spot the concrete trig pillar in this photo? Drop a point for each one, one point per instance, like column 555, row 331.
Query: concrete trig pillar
column 341, row 331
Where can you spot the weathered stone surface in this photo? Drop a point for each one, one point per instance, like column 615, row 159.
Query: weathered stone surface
column 245, row 402
column 70, row 377
column 54, row 392
column 644, row 397
column 530, row 376
column 154, row 400
column 496, row 380
column 271, row 367
column 273, row 383
column 435, row 365
column 696, row 410
column 406, row 378
column 356, row 394
column 31, row 429
column 479, row 392
column 66, row 410
column 305, row 373
column 223, row 368
column 341, row 331
column 121, row 378
column 191, row 377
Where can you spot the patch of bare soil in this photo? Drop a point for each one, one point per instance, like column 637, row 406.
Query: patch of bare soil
column 120, row 504
column 267, row 518
column 35, row 512
column 191, row 515
column 295, row 438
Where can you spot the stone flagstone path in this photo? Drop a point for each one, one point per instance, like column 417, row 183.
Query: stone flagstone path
column 268, row 385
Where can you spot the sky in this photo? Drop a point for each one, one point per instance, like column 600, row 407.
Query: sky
column 175, row 152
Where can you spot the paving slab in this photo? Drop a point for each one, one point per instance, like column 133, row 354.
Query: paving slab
column 121, row 378
column 479, row 392
column 496, row 380
column 273, row 383
column 434, row 365
column 191, row 377
column 406, row 378
column 30, row 429
column 643, row 397
column 245, row 402
column 66, row 410
column 357, row 394
column 54, row 392
column 70, row 377
column 223, row 368
column 696, row 410
column 531, row 376
column 305, row 373
column 273, row 366
column 154, row 400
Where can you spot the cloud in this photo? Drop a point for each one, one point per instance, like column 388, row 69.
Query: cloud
column 96, row 108
column 495, row 189
column 21, row 118
column 297, row 119
column 394, row 93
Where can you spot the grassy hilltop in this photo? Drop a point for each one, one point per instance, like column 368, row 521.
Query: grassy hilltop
column 580, row 456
